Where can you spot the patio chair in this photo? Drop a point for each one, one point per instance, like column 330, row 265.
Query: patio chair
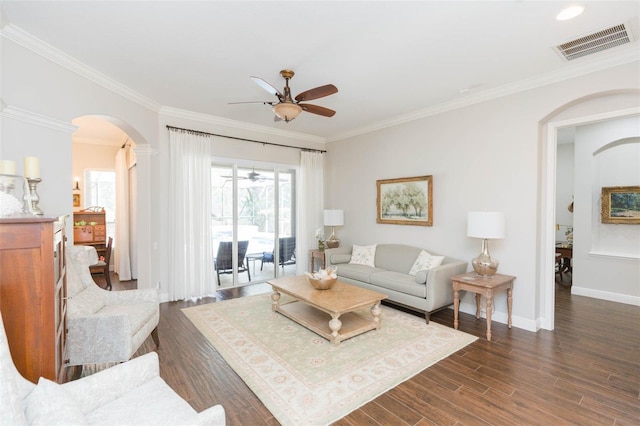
column 287, row 249
column 224, row 260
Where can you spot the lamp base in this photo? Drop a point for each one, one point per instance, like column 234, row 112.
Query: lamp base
column 335, row 243
column 484, row 264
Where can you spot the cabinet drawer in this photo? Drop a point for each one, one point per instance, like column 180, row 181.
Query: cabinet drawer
column 99, row 232
column 83, row 234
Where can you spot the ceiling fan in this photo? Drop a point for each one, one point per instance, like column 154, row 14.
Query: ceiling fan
column 253, row 176
column 288, row 108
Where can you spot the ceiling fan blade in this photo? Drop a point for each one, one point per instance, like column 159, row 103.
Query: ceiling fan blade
column 268, row 87
column 318, row 92
column 252, row 102
column 315, row 109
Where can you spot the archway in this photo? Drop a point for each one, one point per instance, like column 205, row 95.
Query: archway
column 103, row 146
column 590, row 109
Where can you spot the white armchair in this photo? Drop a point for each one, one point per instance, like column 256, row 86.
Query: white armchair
column 105, row 326
column 131, row 393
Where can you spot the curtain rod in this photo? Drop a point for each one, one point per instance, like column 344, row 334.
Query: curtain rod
column 246, row 140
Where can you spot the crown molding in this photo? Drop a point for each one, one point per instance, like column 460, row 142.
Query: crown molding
column 145, row 149
column 26, row 40
column 36, row 119
column 582, row 67
column 241, row 125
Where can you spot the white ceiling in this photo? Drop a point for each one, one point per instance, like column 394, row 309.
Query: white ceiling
column 391, row 61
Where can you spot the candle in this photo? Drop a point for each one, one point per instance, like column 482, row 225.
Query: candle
column 8, row 167
column 31, row 168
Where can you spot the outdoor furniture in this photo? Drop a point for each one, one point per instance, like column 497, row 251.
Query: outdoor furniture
column 287, row 249
column 224, row 259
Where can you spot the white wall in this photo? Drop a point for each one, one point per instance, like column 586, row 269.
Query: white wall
column 484, row 156
column 564, row 189
column 606, row 256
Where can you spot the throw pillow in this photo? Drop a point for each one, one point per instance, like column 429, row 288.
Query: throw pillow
column 363, row 255
column 425, row 261
column 50, row 404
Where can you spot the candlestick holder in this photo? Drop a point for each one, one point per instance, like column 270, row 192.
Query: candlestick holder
column 33, row 196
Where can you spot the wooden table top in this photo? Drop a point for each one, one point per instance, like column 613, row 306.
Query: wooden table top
column 480, row 281
column 342, row 297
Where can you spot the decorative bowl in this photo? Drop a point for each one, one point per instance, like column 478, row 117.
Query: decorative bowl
column 325, row 284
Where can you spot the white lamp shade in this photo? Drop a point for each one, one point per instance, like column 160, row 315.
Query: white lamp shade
column 489, row 225
column 333, row 217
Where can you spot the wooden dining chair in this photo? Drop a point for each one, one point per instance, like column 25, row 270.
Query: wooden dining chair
column 102, row 267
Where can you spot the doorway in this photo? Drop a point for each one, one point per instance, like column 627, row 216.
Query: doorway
column 104, row 175
column 548, row 192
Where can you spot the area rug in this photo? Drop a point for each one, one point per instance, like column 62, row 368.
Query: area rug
column 301, row 377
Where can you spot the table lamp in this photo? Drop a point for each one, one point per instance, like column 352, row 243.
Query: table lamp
column 333, row 218
column 485, row 225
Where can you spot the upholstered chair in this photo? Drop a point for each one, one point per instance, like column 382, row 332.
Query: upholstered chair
column 132, row 393
column 105, row 326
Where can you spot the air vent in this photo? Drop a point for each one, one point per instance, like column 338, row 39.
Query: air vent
column 596, row 42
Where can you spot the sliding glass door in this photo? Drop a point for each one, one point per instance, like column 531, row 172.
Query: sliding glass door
column 253, row 223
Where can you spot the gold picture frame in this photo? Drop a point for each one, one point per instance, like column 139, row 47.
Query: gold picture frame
column 76, row 200
column 405, row 201
column 621, row 205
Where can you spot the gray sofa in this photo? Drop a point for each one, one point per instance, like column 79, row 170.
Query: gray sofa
column 427, row 291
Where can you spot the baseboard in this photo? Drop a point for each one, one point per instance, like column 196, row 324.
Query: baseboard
column 605, row 295
column 501, row 317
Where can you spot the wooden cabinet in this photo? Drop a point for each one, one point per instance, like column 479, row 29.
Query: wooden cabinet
column 33, row 294
column 90, row 228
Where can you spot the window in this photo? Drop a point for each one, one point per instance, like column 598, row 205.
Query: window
column 100, row 190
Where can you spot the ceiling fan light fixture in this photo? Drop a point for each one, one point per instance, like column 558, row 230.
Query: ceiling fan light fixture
column 287, row 111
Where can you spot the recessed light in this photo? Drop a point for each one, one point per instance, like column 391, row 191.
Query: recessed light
column 569, row 13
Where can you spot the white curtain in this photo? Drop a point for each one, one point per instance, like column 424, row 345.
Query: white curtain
column 191, row 255
column 310, row 205
column 122, row 260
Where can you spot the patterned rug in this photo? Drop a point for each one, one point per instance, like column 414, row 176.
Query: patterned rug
column 301, row 377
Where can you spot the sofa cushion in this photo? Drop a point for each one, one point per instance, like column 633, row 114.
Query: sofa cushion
column 87, row 302
column 134, row 407
column 340, row 258
column 74, row 282
column 396, row 257
column 357, row 272
column 51, row 404
column 403, row 283
column 363, row 255
column 138, row 314
column 425, row 261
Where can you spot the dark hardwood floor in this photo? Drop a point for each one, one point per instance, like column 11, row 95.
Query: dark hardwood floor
column 586, row 372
